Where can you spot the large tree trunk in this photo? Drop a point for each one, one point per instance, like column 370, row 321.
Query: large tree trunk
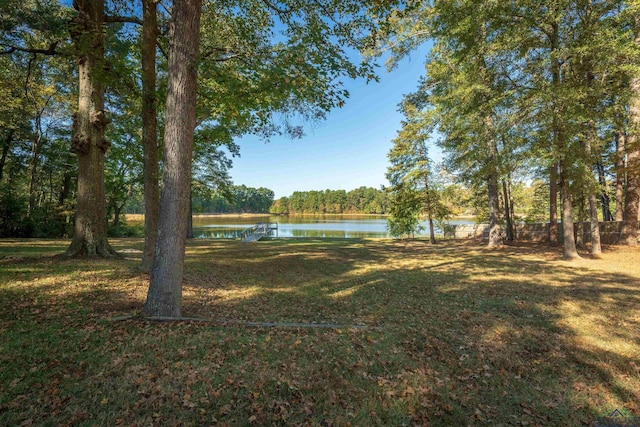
column 65, row 187
column 554, row 175
column 553, row 204
column 88, row 142
column 495, row 237
column 6, row 146
column 508, row 211
column 592, row 189
column 620, row 174
column 629, row 233
column 149, row 132
column 33, row 167
column 578, row 204
column 570, row 251
column 190, row 219
column 164, row 297
column 429, row 204
column 605, row 202
column 432, row 232
column 117, row 210
column 596, row 247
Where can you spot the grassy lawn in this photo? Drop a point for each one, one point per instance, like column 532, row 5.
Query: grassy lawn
column 456, row 335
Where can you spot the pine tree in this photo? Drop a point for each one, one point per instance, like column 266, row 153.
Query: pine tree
column 410, row 176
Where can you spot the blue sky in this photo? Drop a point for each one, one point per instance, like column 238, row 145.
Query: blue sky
column 345, row 151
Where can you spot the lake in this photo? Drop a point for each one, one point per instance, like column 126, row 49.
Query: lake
column 341, row 226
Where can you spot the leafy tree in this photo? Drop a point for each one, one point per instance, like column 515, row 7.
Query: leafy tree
column 300, row 71
column 149, row 116
column 410, row 176
column 404, row 218
column 88, row 136
column 542, row 80
column 629, row 234
column 164, row 297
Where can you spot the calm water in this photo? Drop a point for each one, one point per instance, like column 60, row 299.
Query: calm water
column 226, row 227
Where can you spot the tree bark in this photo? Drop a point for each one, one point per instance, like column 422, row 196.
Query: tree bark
column 164, row 297
column 507, row 211
column 629, row 232
column 553, row 204
column 6, row 146
column 579, row 217
column 569, row 244
column 605, row 202
column 87, row 141
column 554, row 176
column 596, row 247
column 33, row 166
column 117, row 209
column 592, row 189
column 190, row 219
column 429, row 205
column 495, row 239
column 149, row 132
column 494, row 226
column 65, row 188
column 620, row 174
column 432, row 233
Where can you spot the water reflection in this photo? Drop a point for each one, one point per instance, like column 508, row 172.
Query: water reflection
column 210, row 233
column 314, row 226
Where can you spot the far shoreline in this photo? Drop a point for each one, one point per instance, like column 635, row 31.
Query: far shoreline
column 140, row 217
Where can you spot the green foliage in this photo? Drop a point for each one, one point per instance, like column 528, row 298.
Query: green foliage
column 362, row 200
column 544, row 82
column 233, row 199
column 266, row 68
column 125, row 230
column 46, row 220
column 13, row 211
column 269, row 67
column 537, row 208
column 403, row 220
column 413, row 190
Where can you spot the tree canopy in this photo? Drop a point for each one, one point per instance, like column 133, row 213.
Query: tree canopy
column 521, row 90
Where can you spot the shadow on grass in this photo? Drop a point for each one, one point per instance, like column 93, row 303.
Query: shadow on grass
column 511, row 321
column 466, row 336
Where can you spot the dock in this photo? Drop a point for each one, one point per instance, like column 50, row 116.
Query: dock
column 259, row 231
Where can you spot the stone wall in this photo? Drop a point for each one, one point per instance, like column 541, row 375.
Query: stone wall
column 537, row 232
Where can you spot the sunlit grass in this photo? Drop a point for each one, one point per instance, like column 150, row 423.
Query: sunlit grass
column 457, row 336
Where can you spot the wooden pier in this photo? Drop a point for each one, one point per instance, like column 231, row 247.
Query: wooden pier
column 259, row 231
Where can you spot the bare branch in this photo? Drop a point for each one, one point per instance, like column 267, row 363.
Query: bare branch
column 215, row 50
column 51, row 50
column 161, row 49
column 228, row 58
column 122, row 19
column 276, row 9
column 225, row 52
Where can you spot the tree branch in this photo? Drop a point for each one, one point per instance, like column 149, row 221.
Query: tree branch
column 122, row 19
column 215, row 50
column 276, row 9
column 51, row 50
column 161, row 49
column 226, row 53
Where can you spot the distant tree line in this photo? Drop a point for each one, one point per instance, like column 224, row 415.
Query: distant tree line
column 459, row 200
column 364, row 200
column 238, row 199
column 231, row 199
